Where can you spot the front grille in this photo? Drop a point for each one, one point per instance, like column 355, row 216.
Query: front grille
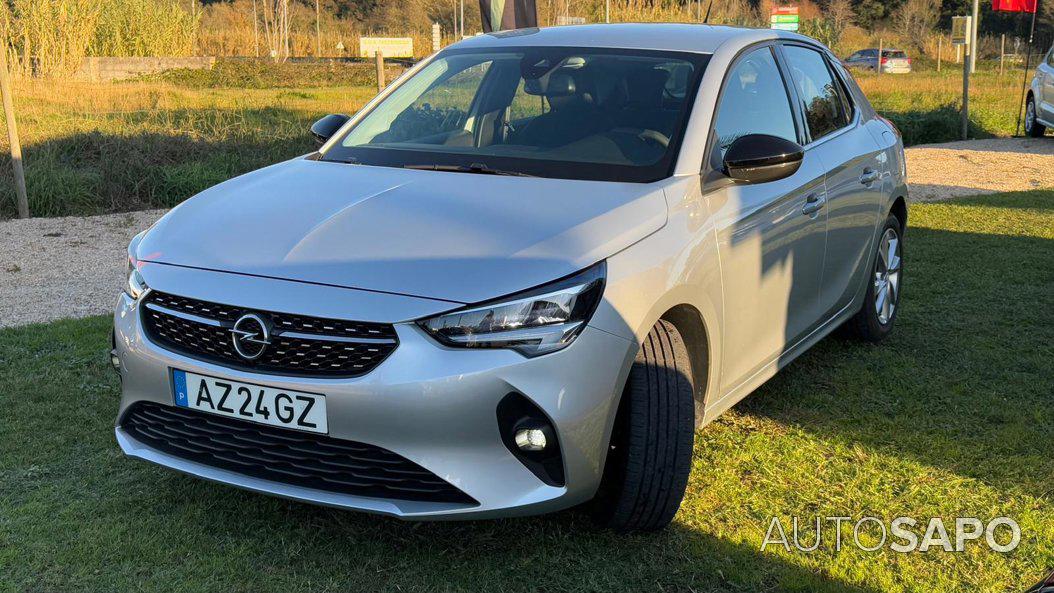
column 300, row 345
column 286, row 456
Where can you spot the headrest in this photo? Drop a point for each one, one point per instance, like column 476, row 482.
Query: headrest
column 560, row 85
column 645, row 86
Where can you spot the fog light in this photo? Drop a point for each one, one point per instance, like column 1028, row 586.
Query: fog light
column 115, row 361
column 530, row 439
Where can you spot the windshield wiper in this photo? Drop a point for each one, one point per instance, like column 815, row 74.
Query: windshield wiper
column 477, row 168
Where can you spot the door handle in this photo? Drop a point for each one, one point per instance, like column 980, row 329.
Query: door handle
column 813, row 203
column 870, row 176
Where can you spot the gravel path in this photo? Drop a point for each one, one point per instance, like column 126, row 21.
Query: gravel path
column 973, row 167
column 52, row 268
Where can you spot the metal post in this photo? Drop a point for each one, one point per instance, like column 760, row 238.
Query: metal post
column 318, row 32
column 256, row 31
column 973, row 40
column 1028, row 64
column 1002, row 52
column 940, row 48
column 379, row 57
column 12, row 136
column 878, row 66
column 967, row 59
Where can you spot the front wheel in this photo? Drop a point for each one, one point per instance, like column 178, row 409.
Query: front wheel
column 650, row 455
column 1032, row 126
column 875, row 319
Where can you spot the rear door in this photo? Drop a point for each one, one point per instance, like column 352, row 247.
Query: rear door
column 854, row 164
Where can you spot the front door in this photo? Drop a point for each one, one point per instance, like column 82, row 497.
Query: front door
column 771, row 236
column 853, row 161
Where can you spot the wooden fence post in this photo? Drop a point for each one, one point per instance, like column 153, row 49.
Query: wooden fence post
column 1002, row 52
column 879, row 64
column 12, row 136
column 380, row 70
column 940, row 49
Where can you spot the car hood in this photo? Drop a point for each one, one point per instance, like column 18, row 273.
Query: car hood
column 452, row 236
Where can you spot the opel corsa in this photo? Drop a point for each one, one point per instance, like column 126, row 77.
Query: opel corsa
column 519, row 278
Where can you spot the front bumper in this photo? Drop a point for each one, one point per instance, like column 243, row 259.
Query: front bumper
column 433, row 405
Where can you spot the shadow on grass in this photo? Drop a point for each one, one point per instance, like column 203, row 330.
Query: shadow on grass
column 965, row 381
column 156, row 159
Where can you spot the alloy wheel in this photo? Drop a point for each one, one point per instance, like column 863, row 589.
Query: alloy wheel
column 1030, row 115
column 887, row 276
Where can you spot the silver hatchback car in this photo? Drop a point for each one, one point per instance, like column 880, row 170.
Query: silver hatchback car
column 519, row 278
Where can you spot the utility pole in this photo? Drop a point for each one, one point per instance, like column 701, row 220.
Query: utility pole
column 973, row 40
column 968, row 54
column 318, row 32
column 12, row 136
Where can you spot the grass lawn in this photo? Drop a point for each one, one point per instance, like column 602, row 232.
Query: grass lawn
column 98, row 148
column 953, row 416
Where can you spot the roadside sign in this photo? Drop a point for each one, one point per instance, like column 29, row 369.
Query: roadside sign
column 390, row 47
column 961, row 27
column 784, row 18
column 562, row 20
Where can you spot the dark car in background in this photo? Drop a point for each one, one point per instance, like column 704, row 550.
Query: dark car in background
column 894, row 61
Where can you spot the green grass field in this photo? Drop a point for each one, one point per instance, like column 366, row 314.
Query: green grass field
column 98, row 148
column 952, row 416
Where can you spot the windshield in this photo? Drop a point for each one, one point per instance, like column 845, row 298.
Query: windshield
column 570, row 113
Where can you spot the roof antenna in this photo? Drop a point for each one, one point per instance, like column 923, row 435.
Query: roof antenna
column 708, row 7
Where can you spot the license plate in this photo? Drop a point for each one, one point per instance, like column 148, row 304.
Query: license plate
column 256, row 403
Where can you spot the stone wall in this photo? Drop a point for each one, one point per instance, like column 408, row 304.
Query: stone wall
column 106, row 69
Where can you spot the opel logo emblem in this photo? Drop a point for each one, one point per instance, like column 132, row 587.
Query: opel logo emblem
column 250, row 336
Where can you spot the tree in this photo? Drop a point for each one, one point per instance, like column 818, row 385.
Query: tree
column 915, row 19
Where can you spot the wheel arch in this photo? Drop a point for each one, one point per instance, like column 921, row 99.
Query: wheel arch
column 899, row 208
column 692, row 327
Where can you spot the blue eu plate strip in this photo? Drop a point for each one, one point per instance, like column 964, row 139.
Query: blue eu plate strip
column 179, row 381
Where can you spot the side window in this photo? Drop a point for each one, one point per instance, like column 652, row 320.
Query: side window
column 754, row 101
column 1050, row 57
column 822, row 102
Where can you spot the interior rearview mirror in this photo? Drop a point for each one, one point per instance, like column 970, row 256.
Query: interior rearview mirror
column 758, row 158
column 324, row 128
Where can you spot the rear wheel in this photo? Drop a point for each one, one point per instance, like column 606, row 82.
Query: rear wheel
column 875, row 319
column 1032, row 126
column 651, row 445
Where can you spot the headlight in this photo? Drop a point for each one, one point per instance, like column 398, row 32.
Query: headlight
column 136, row 286
column 535, row 322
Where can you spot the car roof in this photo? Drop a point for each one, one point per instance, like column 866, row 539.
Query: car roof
column 696, row 38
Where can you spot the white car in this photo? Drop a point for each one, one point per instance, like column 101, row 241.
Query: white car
column 894, row 61
column 518, row 279
column 1039, row 104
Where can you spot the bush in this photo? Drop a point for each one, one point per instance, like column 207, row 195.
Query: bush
column 265, row 74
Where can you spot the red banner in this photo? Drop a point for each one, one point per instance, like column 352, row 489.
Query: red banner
column 1014, row 5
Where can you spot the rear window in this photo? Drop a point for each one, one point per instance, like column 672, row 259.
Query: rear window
column 893, row 54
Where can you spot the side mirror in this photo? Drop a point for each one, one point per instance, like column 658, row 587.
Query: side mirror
column 759, row 158
column 324, row 128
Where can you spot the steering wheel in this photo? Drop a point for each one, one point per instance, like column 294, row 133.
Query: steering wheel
column 657, row 137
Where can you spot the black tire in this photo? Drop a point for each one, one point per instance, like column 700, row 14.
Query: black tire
column 867, row 324
column 651, row 444
column 1036, row 129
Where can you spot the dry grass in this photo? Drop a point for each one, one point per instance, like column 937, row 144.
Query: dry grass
column 95, row 148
